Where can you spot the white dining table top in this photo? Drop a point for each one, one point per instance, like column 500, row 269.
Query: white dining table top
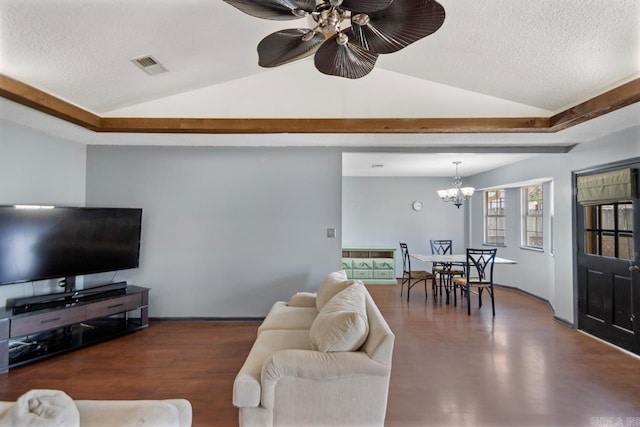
column 457, row 258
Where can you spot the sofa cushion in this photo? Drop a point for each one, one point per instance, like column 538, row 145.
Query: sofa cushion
column 283, row 316
column 303, row 299
column 134, row 413
column 342, row 324
column 332, row 284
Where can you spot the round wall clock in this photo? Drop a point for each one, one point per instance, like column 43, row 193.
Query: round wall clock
column 417, row 205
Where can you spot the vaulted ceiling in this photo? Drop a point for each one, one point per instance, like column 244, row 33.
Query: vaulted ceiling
column 499, row 73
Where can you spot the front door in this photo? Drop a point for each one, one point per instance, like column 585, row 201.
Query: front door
column 608, row 278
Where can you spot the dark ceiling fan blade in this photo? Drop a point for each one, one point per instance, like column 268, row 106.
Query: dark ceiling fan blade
column 286, row 46
column 277, row 10
column 344, row 60
column 366, row 6
column 399, row 25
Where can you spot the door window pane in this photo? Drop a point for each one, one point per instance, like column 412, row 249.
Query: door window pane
column 625, row 217
column 625, row 246
column 592, row 243
column 608, row 244
column 609, row 230
column 607, row 217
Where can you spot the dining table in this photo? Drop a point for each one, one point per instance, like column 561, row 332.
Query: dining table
column 459, row 259
column 454, row 260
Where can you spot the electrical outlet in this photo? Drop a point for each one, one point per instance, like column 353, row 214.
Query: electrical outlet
column 331, row 233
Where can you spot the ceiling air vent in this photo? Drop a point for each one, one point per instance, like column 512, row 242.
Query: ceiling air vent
column 149, row 65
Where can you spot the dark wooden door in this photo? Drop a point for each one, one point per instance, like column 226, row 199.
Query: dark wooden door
column 608, row 280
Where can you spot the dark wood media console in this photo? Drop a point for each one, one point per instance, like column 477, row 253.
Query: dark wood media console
column 34, row 335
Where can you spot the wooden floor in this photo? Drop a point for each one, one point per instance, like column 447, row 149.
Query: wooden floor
column 449, row 369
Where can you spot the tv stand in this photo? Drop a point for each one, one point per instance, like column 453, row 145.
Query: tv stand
column 71, row 324
column 39, row 302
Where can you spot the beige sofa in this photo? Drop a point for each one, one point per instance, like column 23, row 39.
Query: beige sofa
column 51, row 408
column 319, row 359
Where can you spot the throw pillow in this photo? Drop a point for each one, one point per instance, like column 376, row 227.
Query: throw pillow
column 332, row 284
column 342, row 324
column 43, row 408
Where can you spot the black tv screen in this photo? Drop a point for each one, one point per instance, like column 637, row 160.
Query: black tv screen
column 38, row 244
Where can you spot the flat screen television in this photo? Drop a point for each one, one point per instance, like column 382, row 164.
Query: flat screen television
column 64, row 242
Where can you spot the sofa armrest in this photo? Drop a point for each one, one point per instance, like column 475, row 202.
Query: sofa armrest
column 315, row 365
column 303, row 299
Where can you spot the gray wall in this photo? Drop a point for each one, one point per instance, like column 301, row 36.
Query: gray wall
column 226, row 232
column 548, row 275
column 378, row 212
column 36, row 168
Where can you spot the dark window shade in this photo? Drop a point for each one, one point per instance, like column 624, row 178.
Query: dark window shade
column 608, row 187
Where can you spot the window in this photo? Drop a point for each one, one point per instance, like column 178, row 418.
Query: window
column 532, row 216
column 494, row 217
column 609, row 230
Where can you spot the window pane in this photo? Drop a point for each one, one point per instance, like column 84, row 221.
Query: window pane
column 494, row 216
column 532, row 216
column 608, row 219
column 496, row 237
column 534, row 232
column 625, row 216
column 591, row 243
column 590, row 217
column 608, row 244
column 625, row 246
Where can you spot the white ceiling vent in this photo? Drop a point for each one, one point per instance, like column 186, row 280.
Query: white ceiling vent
column 149, row 65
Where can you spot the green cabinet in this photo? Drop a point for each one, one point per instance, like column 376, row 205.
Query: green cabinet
column 374, row 266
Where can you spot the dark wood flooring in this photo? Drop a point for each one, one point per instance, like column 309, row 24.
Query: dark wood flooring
column 520, row 368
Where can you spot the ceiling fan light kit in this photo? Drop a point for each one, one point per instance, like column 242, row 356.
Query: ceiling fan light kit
column 348, row 35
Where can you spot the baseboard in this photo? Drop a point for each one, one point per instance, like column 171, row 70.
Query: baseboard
column 206, row 319
column 565, row 322
column 560, row 320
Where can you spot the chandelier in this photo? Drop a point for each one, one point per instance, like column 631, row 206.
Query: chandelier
column 458, row 193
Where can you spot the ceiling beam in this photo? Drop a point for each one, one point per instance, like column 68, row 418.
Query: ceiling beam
column 29, row 96
column 614, row 99
column 38, row 100
column 324, row 126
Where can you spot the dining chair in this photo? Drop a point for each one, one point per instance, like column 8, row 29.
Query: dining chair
column 409, row 275
column 445, row 271
column 478, row 274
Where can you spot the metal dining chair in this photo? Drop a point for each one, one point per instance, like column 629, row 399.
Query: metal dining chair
column 445, row 271
column 479, row 274
column 409, row 275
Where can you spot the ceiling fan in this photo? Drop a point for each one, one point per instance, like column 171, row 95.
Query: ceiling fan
column 350, row 49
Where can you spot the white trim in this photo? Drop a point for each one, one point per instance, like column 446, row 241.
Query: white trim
column 609, row 344
column 527, row 183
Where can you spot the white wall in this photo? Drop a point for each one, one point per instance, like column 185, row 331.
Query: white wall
column 543, row 274
column 226, row 232
column 36, row 168
column 378, row 212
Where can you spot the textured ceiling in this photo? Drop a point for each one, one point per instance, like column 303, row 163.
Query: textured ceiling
column 491, row 58
column 506, row 57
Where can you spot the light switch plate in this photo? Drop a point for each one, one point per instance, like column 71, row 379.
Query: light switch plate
column 331, row 232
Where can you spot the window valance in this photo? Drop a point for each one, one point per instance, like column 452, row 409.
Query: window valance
column 608, row 187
